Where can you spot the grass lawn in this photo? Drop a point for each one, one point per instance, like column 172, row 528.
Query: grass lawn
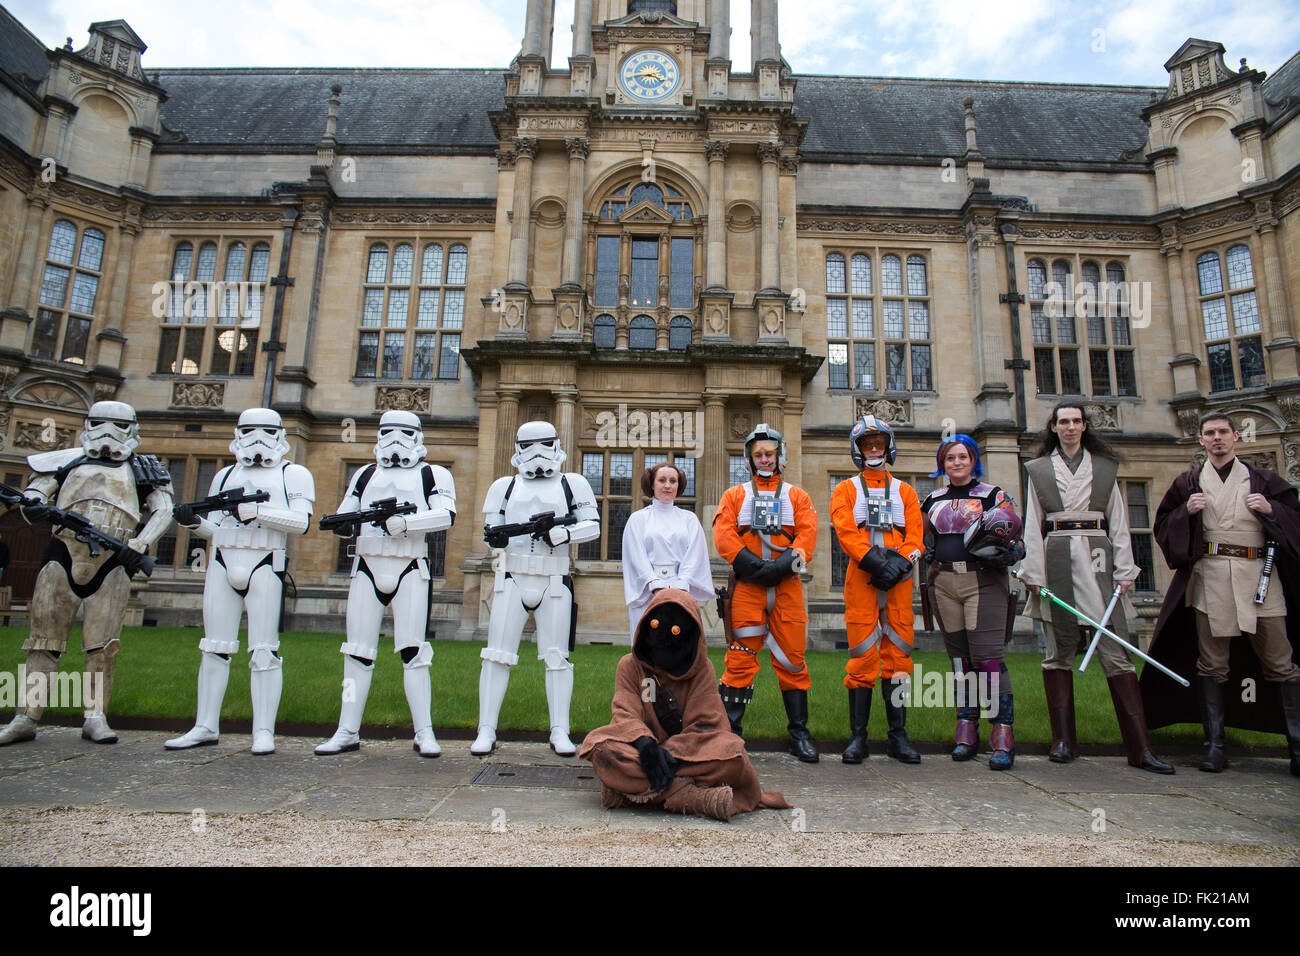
column 157, row 672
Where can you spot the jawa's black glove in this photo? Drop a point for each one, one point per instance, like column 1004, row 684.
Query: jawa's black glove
column 659, row 766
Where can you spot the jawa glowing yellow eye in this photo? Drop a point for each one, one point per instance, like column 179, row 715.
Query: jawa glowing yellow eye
column 654, row 624
column 676, row 630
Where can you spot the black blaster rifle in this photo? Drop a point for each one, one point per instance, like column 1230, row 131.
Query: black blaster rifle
column 228, row 501
column 538, row 525
column 349, row 523
column 85, row 532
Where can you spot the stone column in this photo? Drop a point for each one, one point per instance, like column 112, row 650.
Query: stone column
column 34, row 253
column 769, row 260
column 35, row 229
column 578, row 148
column 533, row 24
column 1277, row 325
column 715, row 276
column 1184, row 362
column 582, row 28
column 711, row 479
column 771, row 40
column 566, row 400
column 126, row 233
column 755, row 33
column 525, row 150
column 719, row 29
column 507, row 425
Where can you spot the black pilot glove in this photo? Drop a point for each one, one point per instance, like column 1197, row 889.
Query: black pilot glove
column 776, row 571
column 747, row 564
column 886, row 567
column 659, row 766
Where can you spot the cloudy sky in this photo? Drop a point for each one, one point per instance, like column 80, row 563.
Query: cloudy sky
column 1088, row 41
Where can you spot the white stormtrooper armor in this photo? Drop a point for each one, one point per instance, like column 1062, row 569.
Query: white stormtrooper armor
column 245, row 568
column 531, row 578
column 391, row 569
column 115, row 491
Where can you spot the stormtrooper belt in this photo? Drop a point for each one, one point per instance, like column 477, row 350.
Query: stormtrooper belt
column 256, row 539
column 388, row 547
column 541, row 565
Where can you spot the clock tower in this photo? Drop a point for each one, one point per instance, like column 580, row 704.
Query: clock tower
column 646, row 258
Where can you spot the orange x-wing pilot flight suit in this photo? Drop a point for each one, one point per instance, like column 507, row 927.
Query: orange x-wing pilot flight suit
column 876, row 648
column 774, row 617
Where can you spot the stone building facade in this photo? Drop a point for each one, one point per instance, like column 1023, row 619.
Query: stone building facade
column 651, row 246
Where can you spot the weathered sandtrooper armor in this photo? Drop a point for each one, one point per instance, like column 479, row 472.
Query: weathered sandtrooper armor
column 124, row 495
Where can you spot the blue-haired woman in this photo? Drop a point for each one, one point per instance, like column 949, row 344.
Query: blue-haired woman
column 974, row 536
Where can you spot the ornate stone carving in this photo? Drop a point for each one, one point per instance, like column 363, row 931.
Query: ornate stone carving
column 1289, row 406
column 211, row 215
column 1188, row 420
column 416, row 218
column 789, row 165
column 50, row 395
column 505, row 158
column 105, row 391
column 955, row 230
column 578, row 147
column 740, row 424
column 1103, row 416
column 44, row 436
column 1291, row 451
column 1261, row 459
column 525, row 147
column 742, row 126
column 717, row 149
column 769, row 152
column 401, row 398
column 1091, row 235
column 1214, row 222
column 894, row 411
column 634, row 135
column 566, row 319
column 198, row 394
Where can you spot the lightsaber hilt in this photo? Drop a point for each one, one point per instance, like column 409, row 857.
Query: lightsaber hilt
column 1265, row 573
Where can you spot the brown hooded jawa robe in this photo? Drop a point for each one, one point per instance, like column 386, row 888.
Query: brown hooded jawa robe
column 708, row 754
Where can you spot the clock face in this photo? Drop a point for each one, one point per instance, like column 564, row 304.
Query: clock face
column 650, row 76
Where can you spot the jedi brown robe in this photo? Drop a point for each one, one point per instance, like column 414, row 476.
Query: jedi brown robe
column 706, row 749
column 1180, row 536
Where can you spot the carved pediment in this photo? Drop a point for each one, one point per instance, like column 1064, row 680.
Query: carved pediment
column 51, row 395
column 646, row 211
column 656, row 17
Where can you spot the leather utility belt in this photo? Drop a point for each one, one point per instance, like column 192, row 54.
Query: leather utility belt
column 1232, row 551
column 1073, row 524
column 961, row 567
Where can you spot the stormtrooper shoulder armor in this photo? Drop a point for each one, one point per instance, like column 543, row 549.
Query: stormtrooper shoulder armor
column 495, row 501
column 298, row 483
column 48, row 462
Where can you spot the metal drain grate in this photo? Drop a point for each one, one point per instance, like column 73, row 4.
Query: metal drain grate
column 522, row 775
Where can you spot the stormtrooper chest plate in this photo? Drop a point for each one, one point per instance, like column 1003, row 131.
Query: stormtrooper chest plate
column 104, row 496
column 531, row 496
column 249, row 479
column 404, row 484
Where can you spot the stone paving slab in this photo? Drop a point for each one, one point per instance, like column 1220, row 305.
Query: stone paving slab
column 1256, row 802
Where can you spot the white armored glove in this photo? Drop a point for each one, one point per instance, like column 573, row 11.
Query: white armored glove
column 558, row 535
column 395, row 525
column 247, row 511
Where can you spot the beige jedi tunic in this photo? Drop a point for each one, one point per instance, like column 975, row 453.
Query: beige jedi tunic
column 1223, row 588
column 1076, row 491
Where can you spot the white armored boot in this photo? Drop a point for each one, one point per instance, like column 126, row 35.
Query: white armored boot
column 492, row 683
column 356, row 688
column 265, row 684
column 19, row 729
column 419, row 697
column 214, row 673
column 559, row 691
column 99, row 676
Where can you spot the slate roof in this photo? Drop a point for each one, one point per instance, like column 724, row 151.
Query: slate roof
column 285, row 108
column 22, row 56
column 1283, row 84
column 853, row 116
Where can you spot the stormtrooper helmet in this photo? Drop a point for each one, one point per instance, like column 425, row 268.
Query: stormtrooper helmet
column 537, row 450
column 259, row 438
column 401, row 440
column 111, row 433
column 765, row 432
